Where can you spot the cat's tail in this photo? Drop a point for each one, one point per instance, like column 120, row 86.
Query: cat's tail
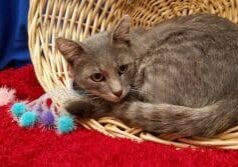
column 184, row 121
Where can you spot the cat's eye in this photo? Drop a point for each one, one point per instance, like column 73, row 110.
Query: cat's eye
column 123, row 69
column 97, row 77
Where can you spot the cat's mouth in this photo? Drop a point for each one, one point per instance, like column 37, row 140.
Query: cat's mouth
column 111, row 97
column 114, row 98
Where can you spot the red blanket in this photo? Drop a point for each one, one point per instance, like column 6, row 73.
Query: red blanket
column 35, row 147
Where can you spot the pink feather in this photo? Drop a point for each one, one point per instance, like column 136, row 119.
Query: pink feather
column 7, row 96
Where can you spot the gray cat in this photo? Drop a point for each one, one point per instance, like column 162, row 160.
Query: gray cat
column 179, row 77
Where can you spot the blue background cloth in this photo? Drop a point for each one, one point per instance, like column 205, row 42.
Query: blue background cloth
column 13, row 33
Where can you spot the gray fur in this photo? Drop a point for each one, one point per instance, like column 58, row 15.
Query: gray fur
column 182, row 76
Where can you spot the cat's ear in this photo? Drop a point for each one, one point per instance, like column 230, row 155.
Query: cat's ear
column 121, row 32
column 69, row 49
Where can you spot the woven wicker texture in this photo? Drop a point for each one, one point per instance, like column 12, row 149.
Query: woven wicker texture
column 78, row 19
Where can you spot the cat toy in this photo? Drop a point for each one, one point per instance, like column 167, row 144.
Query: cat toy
column 45, row 112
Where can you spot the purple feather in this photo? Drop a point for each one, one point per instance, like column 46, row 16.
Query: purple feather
column 47, row 118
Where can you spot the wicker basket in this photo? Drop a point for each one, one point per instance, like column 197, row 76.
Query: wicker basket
column 77, row 19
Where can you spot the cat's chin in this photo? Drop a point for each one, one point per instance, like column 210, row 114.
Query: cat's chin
column 110, row 97
column 113, row 98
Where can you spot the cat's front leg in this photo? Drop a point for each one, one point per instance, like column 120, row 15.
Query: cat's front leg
column 87, row 109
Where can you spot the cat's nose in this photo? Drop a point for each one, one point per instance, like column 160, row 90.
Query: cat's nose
column 118, row 93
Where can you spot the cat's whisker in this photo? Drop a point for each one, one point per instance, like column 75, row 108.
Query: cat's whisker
column 138, row 91
column 95, row 98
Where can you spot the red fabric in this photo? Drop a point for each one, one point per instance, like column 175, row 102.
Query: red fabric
column 34, row 147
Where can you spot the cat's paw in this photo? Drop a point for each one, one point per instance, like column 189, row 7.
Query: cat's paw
column 81, row 109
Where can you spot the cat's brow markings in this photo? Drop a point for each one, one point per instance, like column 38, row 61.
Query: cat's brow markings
column 104, row 72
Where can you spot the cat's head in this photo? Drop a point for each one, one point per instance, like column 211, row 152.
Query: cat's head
column 103, row 64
